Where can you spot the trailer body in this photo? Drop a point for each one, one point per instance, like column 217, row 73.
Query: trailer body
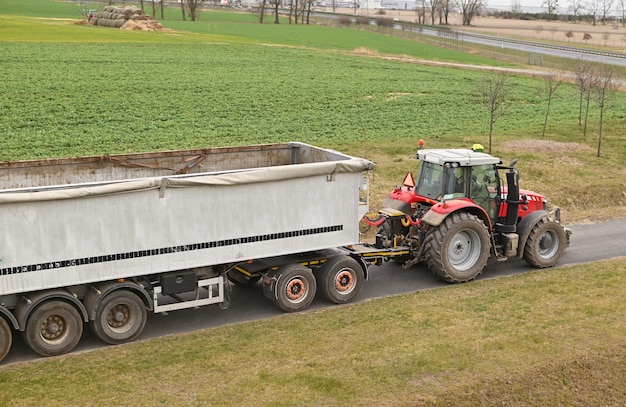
column 168, row 223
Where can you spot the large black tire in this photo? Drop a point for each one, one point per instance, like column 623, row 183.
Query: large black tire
column 6, row 338
column 120, row 317
column 458, row 249
column 53, row 328
column 340, row 279
column 546, row 244
column 295, row 288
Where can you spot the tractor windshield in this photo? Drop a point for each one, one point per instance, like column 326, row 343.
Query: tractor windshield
column 430, row 180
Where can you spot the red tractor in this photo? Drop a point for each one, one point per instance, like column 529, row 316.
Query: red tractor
column 461, row 211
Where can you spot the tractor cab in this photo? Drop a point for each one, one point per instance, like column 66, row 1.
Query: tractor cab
column 460, row 174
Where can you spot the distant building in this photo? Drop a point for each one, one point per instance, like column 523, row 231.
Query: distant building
column 398, row 4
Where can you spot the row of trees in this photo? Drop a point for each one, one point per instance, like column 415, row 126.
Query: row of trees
column 599, row 10
column 596, row 83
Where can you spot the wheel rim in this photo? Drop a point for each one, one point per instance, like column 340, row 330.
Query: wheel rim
column 296, row 290
column 344, row 281
column 54, row 330
column 548, row 244
column 120, row 318
column 464, row 250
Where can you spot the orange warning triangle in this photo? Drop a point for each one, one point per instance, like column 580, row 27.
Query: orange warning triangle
column 408, row 180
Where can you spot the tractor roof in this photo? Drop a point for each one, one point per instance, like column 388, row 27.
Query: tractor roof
column 464, row 157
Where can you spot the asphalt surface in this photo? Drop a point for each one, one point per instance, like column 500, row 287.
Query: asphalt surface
column 590, row 242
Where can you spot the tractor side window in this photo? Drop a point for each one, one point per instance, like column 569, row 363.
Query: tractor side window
column 485, row 188
column 429, row 180
column 456, row 182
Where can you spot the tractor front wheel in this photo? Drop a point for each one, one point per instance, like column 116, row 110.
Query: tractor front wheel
column 458, row 249
column 545, row 245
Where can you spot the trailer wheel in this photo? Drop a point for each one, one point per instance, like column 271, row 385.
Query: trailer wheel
column 340, row 279
column 295, row 288
column 6, row 338
column 53, row 328
column 545, row 245
column 458, row 249
column 120, row 317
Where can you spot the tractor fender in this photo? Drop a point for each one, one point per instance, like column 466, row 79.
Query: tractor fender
column 526, row 225
column 440, row 211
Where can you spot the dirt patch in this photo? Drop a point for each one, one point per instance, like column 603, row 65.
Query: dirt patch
column 145, row 25
column 549, row 146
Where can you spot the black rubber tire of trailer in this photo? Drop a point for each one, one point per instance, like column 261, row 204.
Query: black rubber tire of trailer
column 53, row 328
column 340, row 279
column 120, row 317
column 295, row 288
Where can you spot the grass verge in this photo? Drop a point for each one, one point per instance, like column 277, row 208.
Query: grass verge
column 553, row 337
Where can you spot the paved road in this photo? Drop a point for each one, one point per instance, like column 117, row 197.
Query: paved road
column 590, row 242
column 545, row 49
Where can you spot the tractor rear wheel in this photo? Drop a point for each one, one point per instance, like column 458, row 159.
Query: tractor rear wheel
column 458, row 249
column 545, row 245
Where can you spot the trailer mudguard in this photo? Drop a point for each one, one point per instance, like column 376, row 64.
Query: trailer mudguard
column 526, row 226
column 30, row 301
column 9, row 317
column 97, row 293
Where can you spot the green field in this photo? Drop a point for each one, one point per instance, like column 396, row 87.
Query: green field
column 73, row 89
column 548, row 338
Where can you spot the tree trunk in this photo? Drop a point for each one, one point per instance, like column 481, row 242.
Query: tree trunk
column 600, row 135
column 545, row 121
column 586, row 116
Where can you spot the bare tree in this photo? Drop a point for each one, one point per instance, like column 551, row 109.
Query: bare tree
column 551, row 6
column 604, row 92
column 585, row 77
column 605, row 9
column 276, row 5
column 434, row 7
column 193, row 6
column 182, row 9
column 552, row 82
column 576, row 8
column 492, row 92
column 594, row 9
column 446, row 8
column 516, row 7
column 262, row 5
column 622, row 8
column 470, row 9
column 420, row 10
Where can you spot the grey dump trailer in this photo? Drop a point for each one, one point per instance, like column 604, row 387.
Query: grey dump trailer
column 104, row 240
